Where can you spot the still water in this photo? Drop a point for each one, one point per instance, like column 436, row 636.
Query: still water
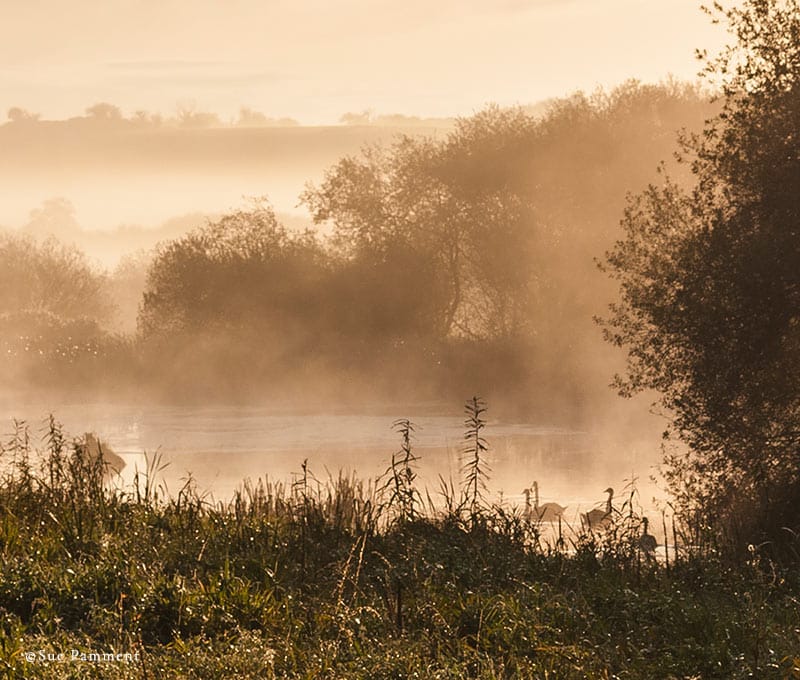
column 222, row 446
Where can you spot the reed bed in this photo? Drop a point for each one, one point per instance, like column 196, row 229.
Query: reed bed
column 352, row 578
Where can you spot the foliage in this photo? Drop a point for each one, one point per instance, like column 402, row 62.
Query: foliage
column 709, row 290
column 47, row 276
column 54, row 308
column 314, row 580
column 401, row 475
column 230, row 303
column 474, row 468
column 450, row 203
column 244, row 268
column 464, row 258
column 245, row 283
column 487, row 235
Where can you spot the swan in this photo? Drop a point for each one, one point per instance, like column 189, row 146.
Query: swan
column 647, row 542
column 549, row 512
column 597, row 519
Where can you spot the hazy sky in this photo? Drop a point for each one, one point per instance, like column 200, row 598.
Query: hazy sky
column 316, row 59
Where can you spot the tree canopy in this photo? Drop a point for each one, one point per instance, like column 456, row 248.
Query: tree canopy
column 244, row 269
column 465, row 258
column 452, row 203
column 48, row 276
column 710, row 288
column 53, row 305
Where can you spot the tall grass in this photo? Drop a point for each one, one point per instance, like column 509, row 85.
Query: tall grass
column 475, row 470
column 345, row 577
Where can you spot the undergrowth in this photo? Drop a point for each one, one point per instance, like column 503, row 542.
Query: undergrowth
column 353, row 578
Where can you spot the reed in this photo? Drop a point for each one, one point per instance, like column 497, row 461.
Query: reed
column 475, row 469
column 346, row 577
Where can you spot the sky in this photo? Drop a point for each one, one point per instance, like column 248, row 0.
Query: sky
column 314, row 60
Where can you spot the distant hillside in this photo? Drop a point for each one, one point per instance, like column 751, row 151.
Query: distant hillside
column 50, row 147
column 119, row 173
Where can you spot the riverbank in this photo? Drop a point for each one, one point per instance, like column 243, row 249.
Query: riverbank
column 359, row 578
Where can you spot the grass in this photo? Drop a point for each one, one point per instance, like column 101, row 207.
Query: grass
column 348, row 578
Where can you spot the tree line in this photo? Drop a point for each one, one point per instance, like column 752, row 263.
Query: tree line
column 468, row 263
column 105, row 115
column 440, row 264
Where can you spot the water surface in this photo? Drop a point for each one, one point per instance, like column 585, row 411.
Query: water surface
column 221, row 446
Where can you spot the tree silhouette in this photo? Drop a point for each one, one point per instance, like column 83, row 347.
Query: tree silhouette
column 104, row 111
column 710, row 289
column 458, row 204
column 20, row 115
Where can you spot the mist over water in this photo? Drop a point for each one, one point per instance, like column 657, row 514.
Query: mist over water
column 452, row 262
column 439, row 339
column 221, row 447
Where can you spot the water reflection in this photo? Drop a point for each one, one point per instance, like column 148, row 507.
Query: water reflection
column 222, row 446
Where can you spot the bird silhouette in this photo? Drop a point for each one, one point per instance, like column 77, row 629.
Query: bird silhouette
column 528, row 512
column 647, row 542
column 597, row 518
column 93, row 448
column 548, row 512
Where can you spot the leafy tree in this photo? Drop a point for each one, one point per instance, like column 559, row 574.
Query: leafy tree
column 17, row 114
column 245, row 295
column 710, row 289
column 54, row 218
column 242, row 270
column 464, row 261
column 47, row 276
column 250, row 118
column 452, row 204
column 507, row 212
column 363, row 118
column 53, row 307
column 189, row 118
column 103, row 111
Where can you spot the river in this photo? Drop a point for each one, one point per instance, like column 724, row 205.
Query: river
column 222, row 446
